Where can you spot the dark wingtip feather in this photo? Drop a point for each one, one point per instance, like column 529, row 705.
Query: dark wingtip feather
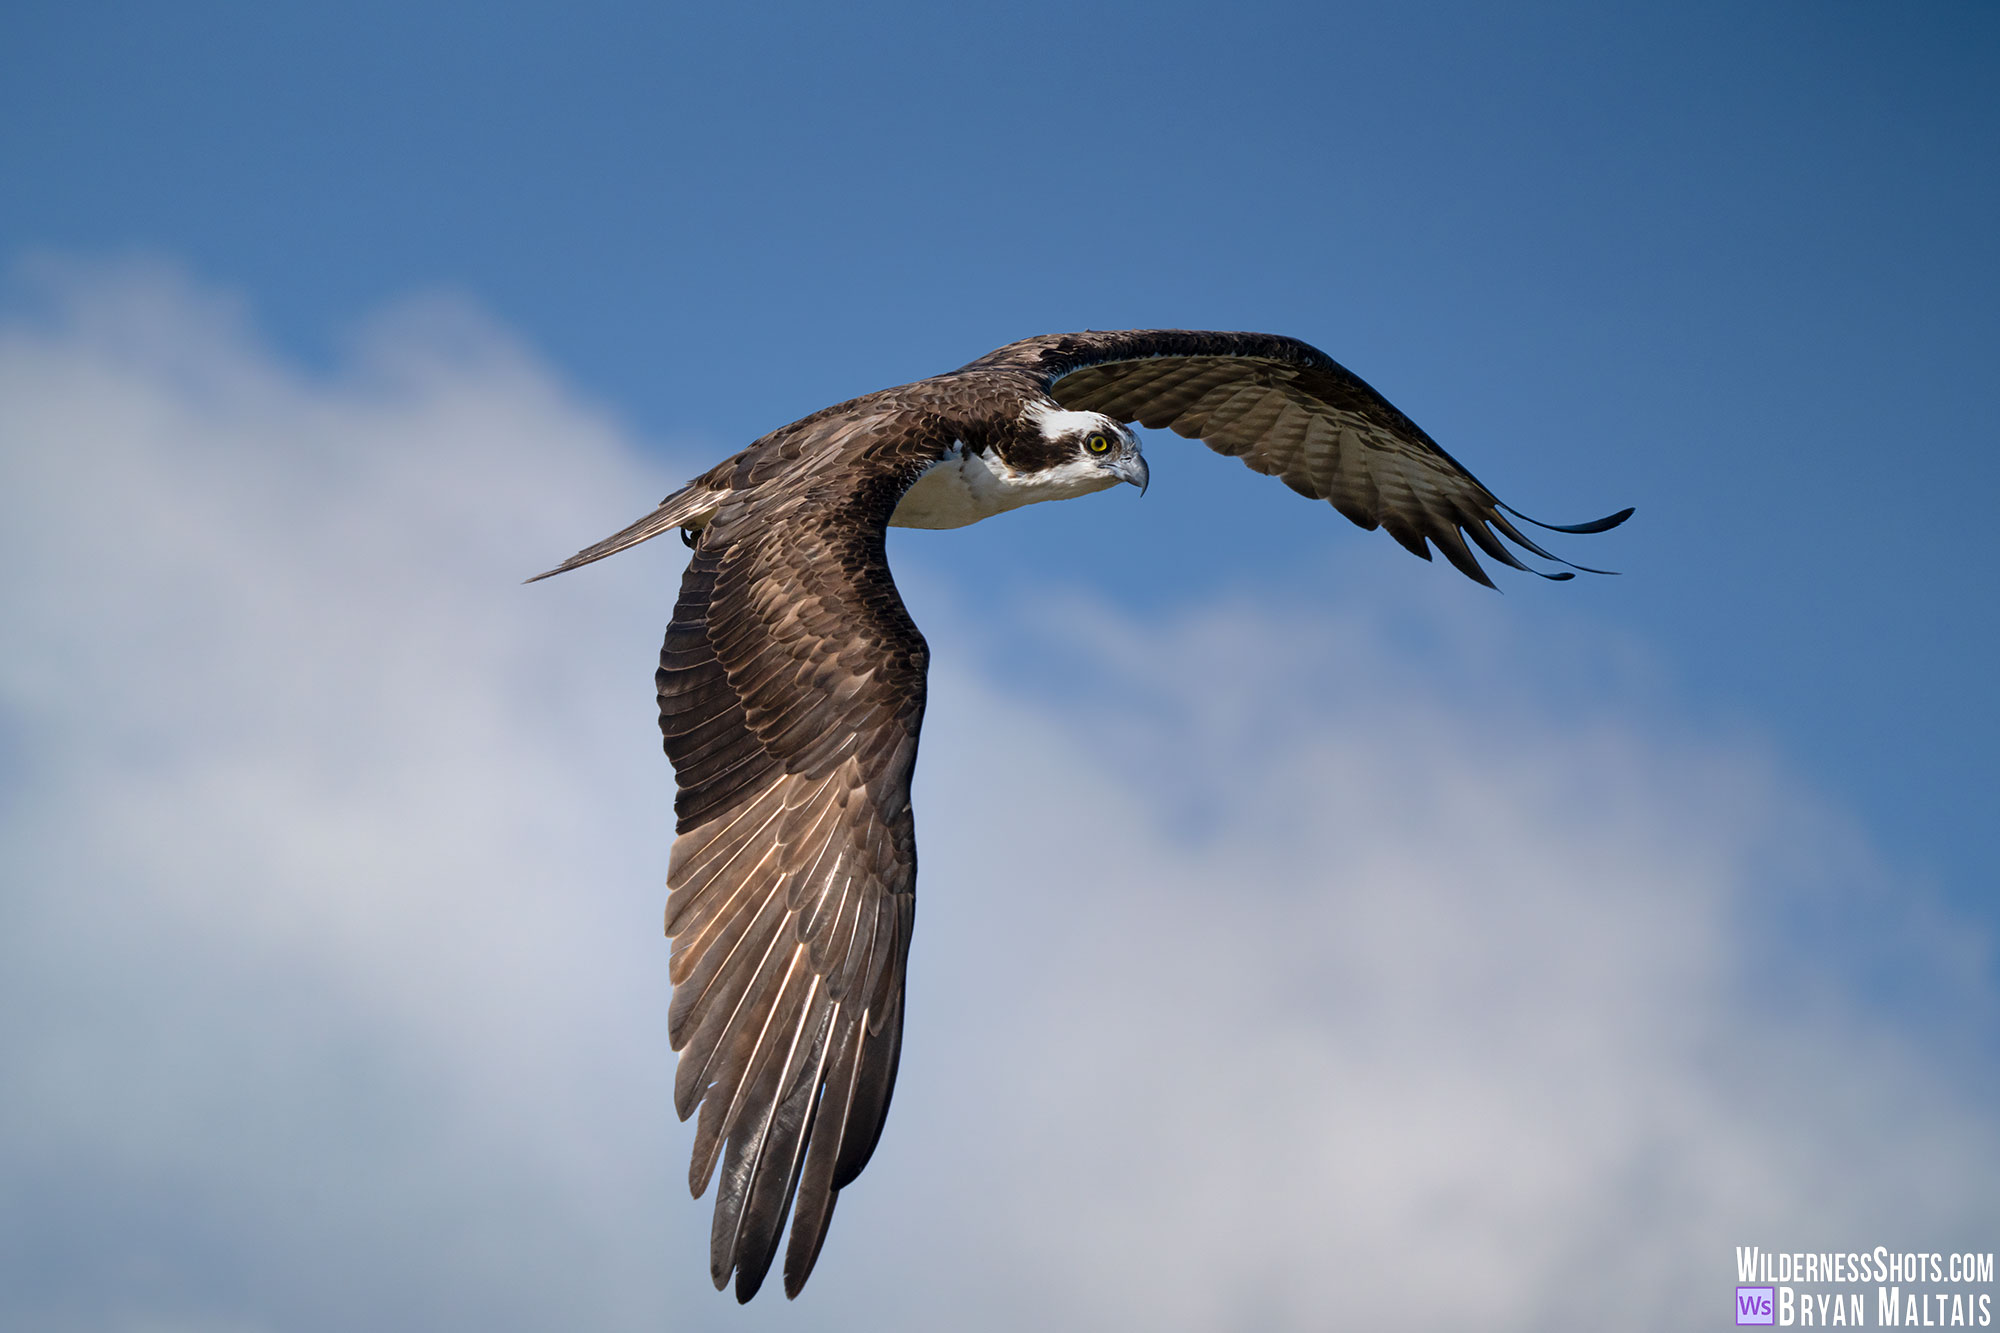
column 1450, row 541
column 1604, row 524
column 1515, row 535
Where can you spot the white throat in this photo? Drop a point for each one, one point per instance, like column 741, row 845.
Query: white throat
column 964, row 487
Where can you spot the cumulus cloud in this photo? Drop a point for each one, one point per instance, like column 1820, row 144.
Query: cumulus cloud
column 1267, row 974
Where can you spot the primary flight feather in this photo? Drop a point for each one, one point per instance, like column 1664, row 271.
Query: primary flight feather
column 791, row 689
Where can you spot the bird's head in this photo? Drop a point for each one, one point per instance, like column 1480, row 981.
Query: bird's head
column 1091, row 445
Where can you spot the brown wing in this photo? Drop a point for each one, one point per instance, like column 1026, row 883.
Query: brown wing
column 791, row 692
column 1290, row 411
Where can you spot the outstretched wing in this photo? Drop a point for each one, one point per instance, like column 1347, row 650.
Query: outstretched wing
column 1290, row 411
column 791, row 692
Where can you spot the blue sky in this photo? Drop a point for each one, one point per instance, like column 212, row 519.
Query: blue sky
column 1729, row 266
column 1732, row 266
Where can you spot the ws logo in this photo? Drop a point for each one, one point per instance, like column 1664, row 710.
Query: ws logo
column 1756, row 1305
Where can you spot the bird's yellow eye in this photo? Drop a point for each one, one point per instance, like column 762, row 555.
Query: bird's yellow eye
column 1098, row 444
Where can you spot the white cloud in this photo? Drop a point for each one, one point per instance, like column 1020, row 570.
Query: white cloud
column 1266, row 975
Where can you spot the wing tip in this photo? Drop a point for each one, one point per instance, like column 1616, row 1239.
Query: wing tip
column 1605, row 524
column 1521, row 539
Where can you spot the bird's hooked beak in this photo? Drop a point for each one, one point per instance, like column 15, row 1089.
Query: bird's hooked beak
column 1134, row 470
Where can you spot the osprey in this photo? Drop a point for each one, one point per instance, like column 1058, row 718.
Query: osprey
column 791, row 690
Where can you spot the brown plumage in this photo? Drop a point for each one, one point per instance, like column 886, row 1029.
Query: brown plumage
column 791, row 690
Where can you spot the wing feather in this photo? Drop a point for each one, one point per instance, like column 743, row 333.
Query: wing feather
column 875, row 1081
column 816, row 1191
column 755, row 1034
column 730, row 1004
column 783, row 1142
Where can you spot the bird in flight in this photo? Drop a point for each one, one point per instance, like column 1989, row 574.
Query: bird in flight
column 791, row 690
